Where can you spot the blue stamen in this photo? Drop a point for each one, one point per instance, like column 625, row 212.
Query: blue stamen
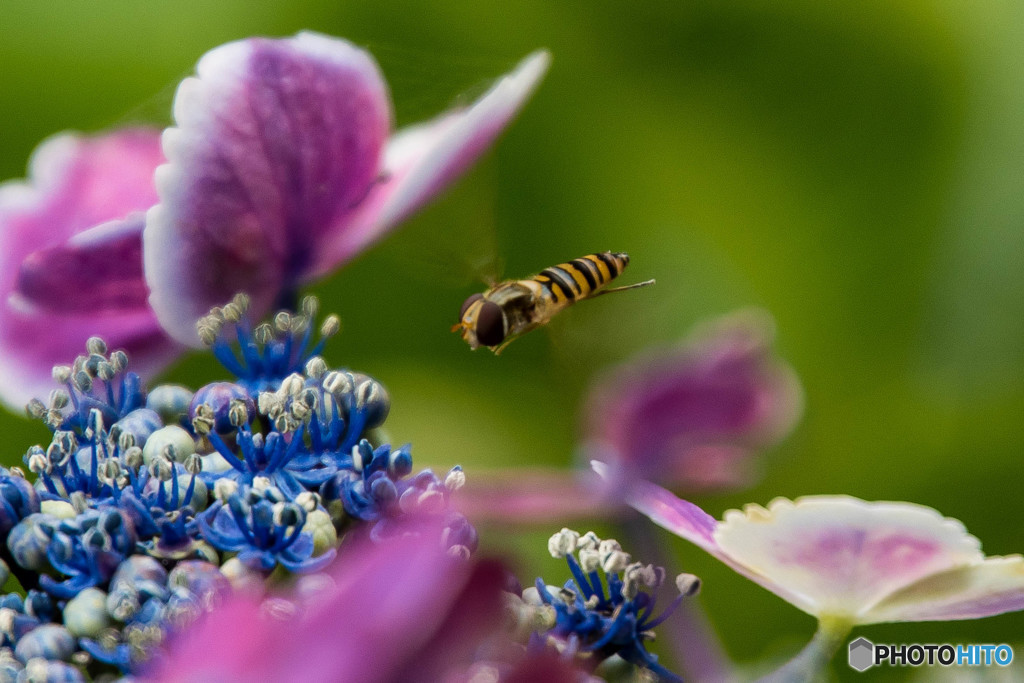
column 261, row 358
column 607, row 618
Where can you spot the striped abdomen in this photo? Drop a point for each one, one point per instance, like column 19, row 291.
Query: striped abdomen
column 582, row 277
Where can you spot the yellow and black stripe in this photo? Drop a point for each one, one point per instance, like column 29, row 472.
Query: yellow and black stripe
column 582, row 277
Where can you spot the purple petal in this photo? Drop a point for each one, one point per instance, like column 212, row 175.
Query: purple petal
column 104, row 263
column 694, row 416
column 992, row 587
column 456, row 641
column 422, row 160
column 388, row 602
column 276, row 143
column 70, row 259
column 547, row 667
column 665, row 509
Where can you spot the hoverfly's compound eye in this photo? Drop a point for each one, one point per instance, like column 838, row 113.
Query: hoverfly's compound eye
column 469, row 302
column 490, row 324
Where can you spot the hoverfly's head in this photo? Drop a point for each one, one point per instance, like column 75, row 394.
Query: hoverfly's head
column 481, row 322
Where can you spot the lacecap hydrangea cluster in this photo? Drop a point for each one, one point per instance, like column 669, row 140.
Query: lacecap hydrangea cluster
column 148, row 506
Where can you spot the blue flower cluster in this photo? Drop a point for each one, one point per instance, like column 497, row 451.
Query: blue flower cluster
column 148, row 506
column 606, row 608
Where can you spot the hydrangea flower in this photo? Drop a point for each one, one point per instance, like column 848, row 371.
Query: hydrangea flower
column 110, row 500
column 844, row 558
column 96, row 382
column 280, row 169
column 377, row 489
column 71, row 258
column 146, row 602
column 847, row 561
column 87, row 549
column 278, row 456
column 693, row 417
column 282, row 165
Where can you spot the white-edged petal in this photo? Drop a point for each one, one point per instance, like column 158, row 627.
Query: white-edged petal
column 276, row 145
column 839, row 555
column 980, row 590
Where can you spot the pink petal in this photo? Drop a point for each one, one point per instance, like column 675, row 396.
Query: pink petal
column 839, row 556
column 992, row 587
column 276, row 143
column 534, row 497
column 695, row 416
column 389, row 602
column 219, row 644
column 471, row 618
column 70, row 259
column 547, row 667
column 665, row 509
column 422, row 160
column 75, row 183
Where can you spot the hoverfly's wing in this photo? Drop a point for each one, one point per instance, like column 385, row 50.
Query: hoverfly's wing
column 600, row 327
column 458, row 250
column 153, row 111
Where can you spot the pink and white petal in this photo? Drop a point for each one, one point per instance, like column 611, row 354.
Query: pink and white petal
column 422, row 160
column 75, row 182
column 276, row 143
column 89, row 285
column 689, row 522
column 980, row 590
column 839, row 556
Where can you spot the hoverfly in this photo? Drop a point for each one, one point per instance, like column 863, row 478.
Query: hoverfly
column 512, row 308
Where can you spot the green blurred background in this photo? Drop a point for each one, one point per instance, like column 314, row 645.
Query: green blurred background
column 856, row 169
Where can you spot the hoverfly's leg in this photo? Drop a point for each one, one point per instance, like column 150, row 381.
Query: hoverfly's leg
column 501, row 347
column 625, row 287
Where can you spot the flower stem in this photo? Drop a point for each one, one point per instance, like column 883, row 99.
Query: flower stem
column 809, row 663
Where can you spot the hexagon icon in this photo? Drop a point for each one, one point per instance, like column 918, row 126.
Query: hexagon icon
column 862, row 654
